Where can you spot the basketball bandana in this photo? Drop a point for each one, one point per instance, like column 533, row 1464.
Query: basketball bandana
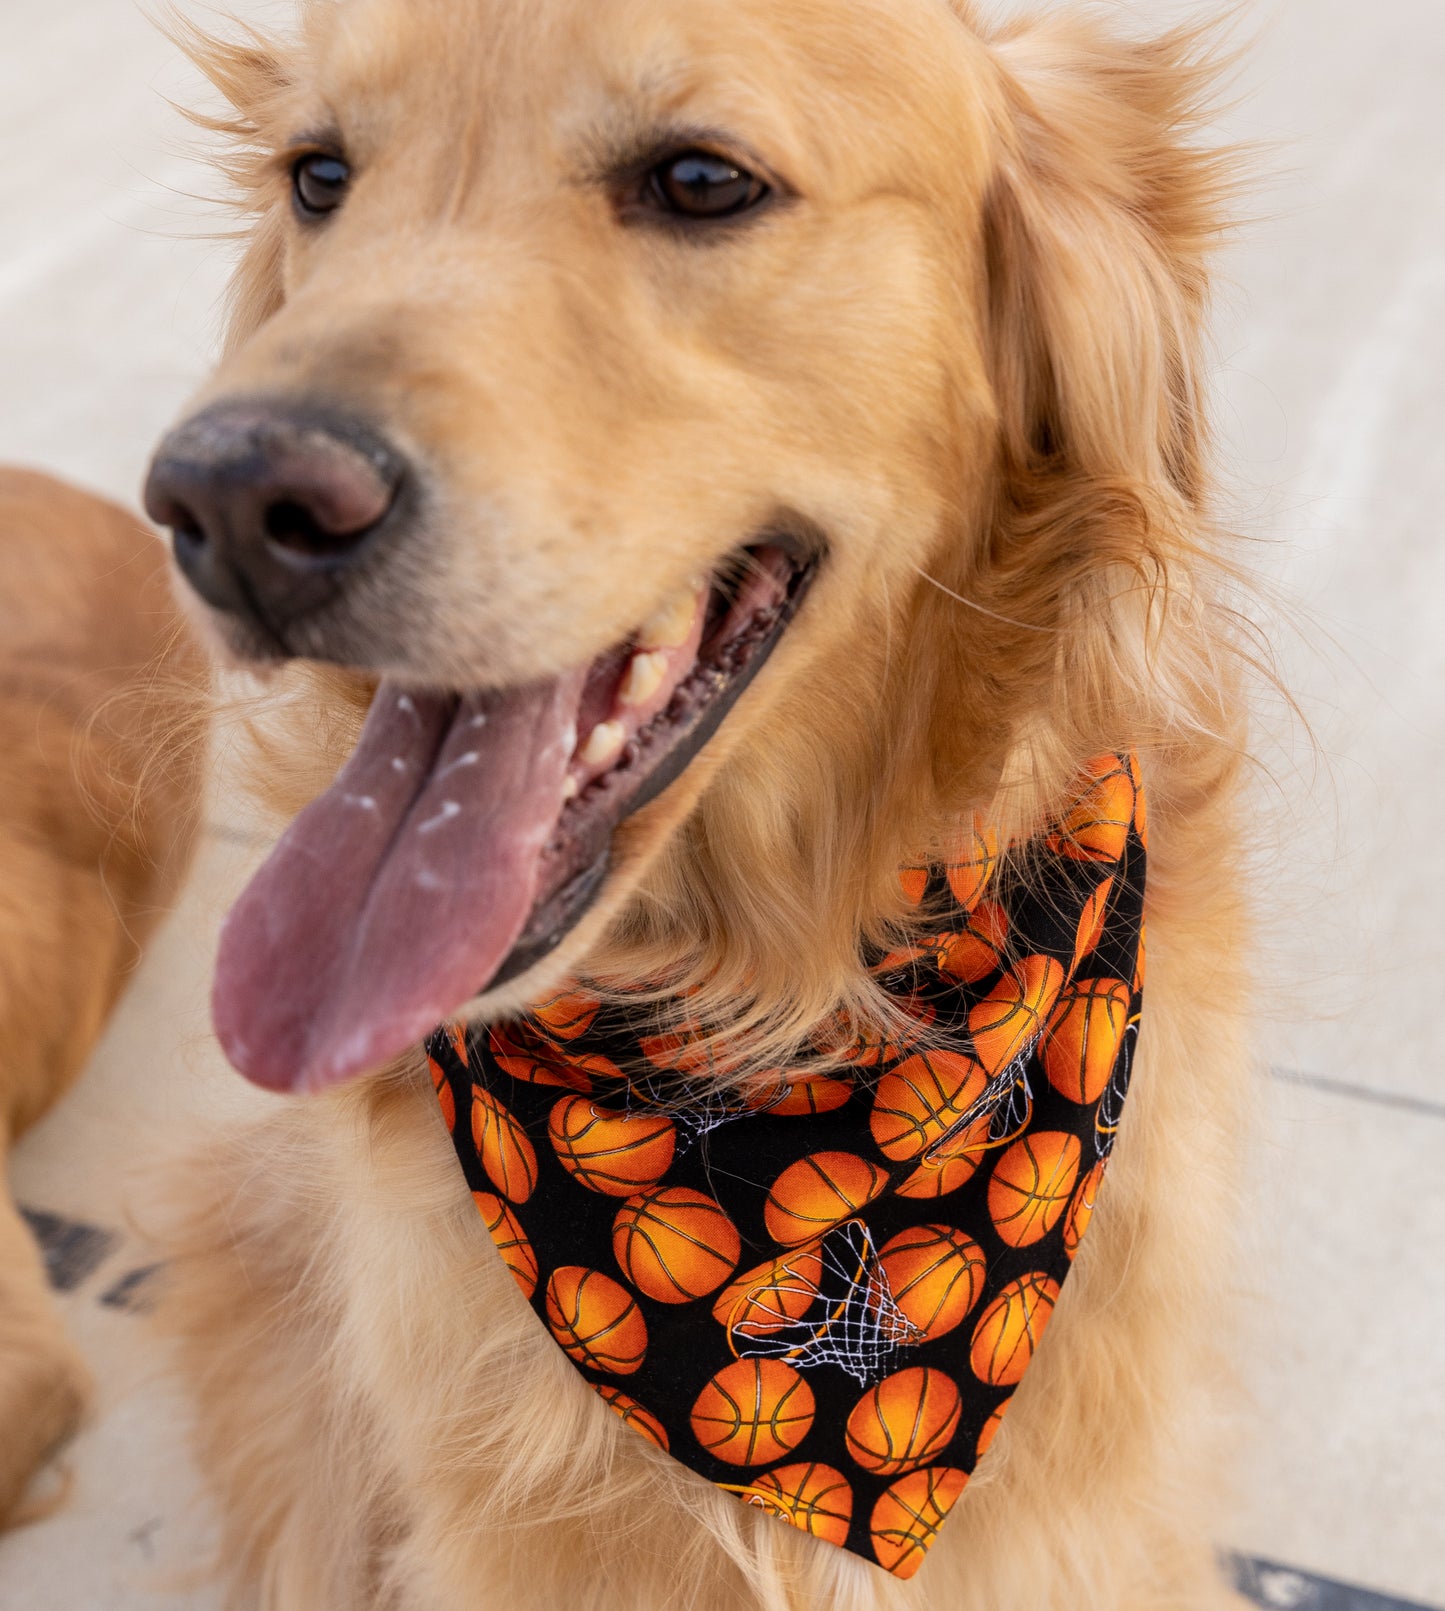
column 822, row 1294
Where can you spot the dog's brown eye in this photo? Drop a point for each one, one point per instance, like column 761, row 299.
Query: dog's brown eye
column 320, row 182
column 697, row 184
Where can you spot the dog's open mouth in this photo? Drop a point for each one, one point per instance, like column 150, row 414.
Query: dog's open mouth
column 469, row 832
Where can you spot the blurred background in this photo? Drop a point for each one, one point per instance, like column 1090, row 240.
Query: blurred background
column 1330, row 353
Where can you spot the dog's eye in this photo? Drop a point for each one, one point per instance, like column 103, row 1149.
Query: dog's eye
column 696, row 184
column 319, row 183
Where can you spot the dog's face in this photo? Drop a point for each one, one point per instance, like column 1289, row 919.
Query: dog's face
column 619, row 368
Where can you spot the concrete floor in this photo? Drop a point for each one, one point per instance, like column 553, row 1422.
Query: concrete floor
column 1331, row 345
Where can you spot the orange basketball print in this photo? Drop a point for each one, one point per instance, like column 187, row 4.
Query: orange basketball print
column 977, row 861
column 906, row 1519
column 913, row 881
column 1141, row 808
column 443, row 1090
column 1083, row 1037
column 506, row 1231
column 1031, row 1184
column 610, row 1152
column 1091, row 922
column 978, row 949
column 632, row 1414
column 457, row 1039
column 990, row 1430
column 675, row 1244
column 906, row 1421
column 753, row 1412
column 1081, row 1210
column 770, row 1296
column 1096, row 827
column 1010, row 1328
column 568, row 1015
column 526, row 1057
column 1012, row 1015
column 807, row 1093
column 596, row 1320
column 917, row 1103
column 502, row 1144
column 935, row 1274
column 812, row 1497
column 818, row 1191
column 867, row 1045
column 938, row 1177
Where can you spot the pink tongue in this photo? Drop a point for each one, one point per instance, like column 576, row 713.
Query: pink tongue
column 398, row 894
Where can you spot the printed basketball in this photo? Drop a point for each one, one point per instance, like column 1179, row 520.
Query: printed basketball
column 596, row 1320
column 913, row 881
column 978, row 950
column 1012, row 1015
column 569, row 1015
column 611, row 1152
column 1091, row 922
column 753, row 1412
column 990, row 1430
column 916, row 1103
column 502, row 1144
column 1083, row 1036
column 937, row 1179
column 770, row 1296
column 1031, row 1184
column 675, row 1244
column 812, row 1497
column 1096, row 827
column 866, row 1045
column 442, row 1086
column 632, row 1414
column 977, row 862
column 506, row 1231
column 935, row 1274
column 818, row 1191
column 906, row 1519
column 1081, row 1210
column 906, row 1421
column 1141, row 807
column 524, row 1056
column 1010, row 1329
column 809, row 1093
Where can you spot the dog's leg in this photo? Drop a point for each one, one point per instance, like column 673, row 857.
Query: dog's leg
column 44, row 1384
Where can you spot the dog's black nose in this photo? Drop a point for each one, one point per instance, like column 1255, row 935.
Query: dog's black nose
column 272, row 504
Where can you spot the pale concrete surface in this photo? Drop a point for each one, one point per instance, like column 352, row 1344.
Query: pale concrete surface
column 1331, row 343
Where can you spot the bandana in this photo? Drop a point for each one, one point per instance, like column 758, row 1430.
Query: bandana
column 822, row 1293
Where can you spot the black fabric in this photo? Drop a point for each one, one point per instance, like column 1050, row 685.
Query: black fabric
column 821, row 1295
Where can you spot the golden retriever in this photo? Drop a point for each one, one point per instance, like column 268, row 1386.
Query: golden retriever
column 560, row 327
column 100, row 723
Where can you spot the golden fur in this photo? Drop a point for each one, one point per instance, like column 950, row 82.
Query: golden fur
column 970, row 354
column 95, row 832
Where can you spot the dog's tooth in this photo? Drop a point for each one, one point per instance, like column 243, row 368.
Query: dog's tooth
column 604, row 744
column 570, row 788
column 671, row 626
column 645, row 675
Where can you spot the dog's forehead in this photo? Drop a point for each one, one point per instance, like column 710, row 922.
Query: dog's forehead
column 765, row 68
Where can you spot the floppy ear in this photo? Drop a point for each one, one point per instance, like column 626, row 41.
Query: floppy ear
column 1097, row 229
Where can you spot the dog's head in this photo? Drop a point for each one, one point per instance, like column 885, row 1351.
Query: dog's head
column 715, row 429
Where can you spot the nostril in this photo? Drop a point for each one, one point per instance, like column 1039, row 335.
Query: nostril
column 291, row 525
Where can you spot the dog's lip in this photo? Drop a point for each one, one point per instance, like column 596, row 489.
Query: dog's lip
column 581, row 850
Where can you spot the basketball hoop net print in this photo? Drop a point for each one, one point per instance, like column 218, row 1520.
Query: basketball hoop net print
column 823, row 1297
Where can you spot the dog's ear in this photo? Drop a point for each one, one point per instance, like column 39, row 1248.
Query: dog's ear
column 1098, row 226
column 250, row 73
